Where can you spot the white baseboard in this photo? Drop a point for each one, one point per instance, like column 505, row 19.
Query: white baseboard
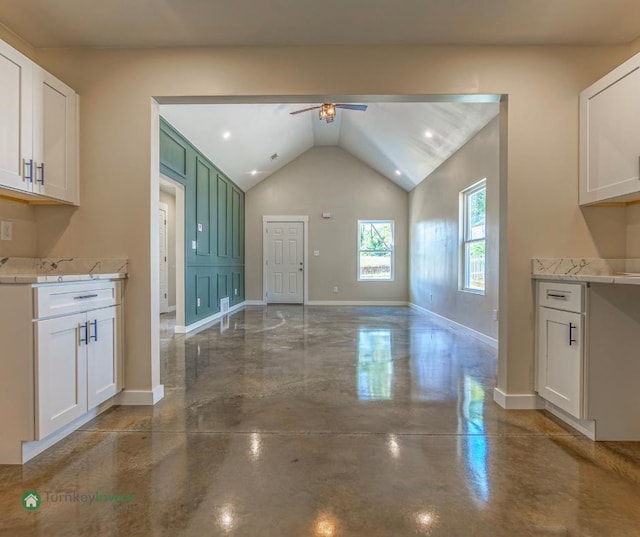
column 356, row 303
column 518, row 401
column 31, row 449
column 586, row 427
column 456, row 326
column 255, row 303
column 141, row 397
column 206, row 321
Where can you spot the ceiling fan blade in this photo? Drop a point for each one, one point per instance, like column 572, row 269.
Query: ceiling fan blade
column 360, row 107
column 304, row 110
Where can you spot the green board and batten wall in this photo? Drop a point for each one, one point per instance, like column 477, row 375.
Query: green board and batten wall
column 214, row 216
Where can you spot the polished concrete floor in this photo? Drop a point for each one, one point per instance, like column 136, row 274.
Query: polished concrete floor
column 327, row 422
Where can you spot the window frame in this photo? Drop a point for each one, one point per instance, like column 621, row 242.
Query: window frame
column 466, row 240
column 393, row 249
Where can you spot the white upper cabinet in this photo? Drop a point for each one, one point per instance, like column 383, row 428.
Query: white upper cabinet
column 16, row 166
column 54, row 137
column 38, row 132
column 610, row 136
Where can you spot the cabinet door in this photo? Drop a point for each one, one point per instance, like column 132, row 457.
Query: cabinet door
column 16, row 169
column 102, row 355
column 610, row 136
column 54, row 137
column 61, row 372
column 560, row 359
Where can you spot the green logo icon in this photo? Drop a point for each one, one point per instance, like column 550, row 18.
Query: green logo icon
column 31, row 500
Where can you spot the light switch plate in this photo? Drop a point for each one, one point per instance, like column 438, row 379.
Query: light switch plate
column 200, row 228
column 316, row 253
column 6, row 231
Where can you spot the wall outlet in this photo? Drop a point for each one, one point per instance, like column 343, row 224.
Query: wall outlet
column 316, row 253
column 198, row 302
column 494, row 315
column 6, row 231
column 194, row 245
column 335, row 289
column 200, row 227
column 224, row 304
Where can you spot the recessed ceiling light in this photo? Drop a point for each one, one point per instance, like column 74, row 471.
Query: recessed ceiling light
column 428, row 134
column 226, row 135
column 253, row 172
column 398, row 172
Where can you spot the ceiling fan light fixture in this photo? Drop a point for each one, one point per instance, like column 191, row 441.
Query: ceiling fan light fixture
column 327, row 112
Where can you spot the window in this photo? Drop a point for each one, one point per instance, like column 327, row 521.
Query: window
column 375, row 250
column 473, row 248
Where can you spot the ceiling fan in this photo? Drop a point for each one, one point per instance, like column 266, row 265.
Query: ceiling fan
column 328, row 110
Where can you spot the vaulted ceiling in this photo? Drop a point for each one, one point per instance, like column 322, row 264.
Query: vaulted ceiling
column 180, row 23
column 403, row 141
column 390, row 137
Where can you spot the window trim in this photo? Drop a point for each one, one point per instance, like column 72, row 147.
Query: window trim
column 393, row 249
column 463, row 228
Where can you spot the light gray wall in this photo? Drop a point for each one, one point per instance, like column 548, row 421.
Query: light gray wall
column 328, row 179
column 434, row 212
column 170, row 200
column 25, row 229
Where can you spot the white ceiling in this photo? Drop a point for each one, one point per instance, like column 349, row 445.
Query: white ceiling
column 390, row 137
column 179, row 23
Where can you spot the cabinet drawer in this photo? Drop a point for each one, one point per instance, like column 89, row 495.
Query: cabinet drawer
column 561, row 296
column 53, row 300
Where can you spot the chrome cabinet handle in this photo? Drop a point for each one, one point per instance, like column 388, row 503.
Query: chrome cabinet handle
column 95, row 330
column 41, row 168
column 84, row 297
column 26, row 163
column 571, row 340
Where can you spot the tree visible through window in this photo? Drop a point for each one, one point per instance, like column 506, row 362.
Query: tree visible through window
column 474, row 216
column 375, row 249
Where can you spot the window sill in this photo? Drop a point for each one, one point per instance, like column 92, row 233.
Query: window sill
column 473, row 291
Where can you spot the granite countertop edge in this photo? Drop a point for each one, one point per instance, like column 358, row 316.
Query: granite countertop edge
column 593, row 278
column 59, row 278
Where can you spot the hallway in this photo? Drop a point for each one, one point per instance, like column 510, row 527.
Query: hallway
column 327, row 422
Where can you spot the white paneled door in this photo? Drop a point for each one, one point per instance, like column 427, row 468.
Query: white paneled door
column 284, row 264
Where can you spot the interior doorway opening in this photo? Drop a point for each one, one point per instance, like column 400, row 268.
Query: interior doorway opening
column 171, row 250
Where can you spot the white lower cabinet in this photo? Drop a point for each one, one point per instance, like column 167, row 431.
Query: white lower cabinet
column 61, row 361
column 587, row 366
column 561, row 359
column 76, row 364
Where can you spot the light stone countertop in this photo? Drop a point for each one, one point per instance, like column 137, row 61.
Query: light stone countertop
column 587, row 270
column 60, row 270
column 60, row 278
